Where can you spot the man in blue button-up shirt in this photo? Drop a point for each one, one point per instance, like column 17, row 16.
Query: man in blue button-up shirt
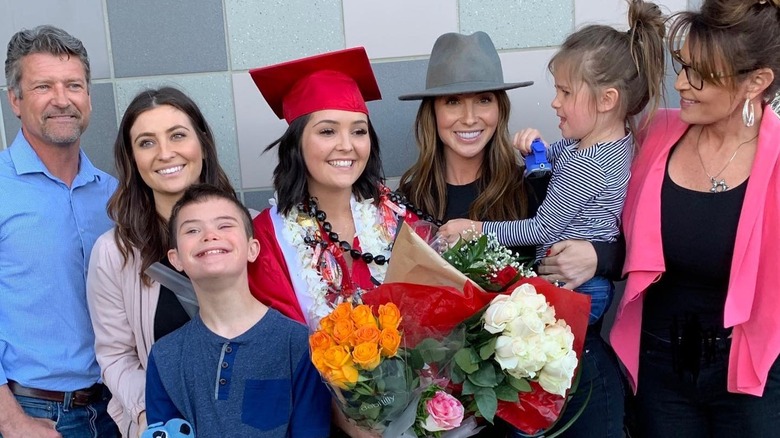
column 52, row 209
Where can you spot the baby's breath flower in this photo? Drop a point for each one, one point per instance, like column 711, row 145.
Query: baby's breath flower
column 482, row 258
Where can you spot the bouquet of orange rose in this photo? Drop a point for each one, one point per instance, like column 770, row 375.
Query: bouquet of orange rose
column 358, row 354
column 381, row 385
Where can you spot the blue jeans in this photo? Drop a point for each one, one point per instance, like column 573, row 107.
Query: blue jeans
column 603, row 415
column 601, row 291
column 674, row 403
column 90, row 421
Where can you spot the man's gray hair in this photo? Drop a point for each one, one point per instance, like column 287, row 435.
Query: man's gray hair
column 42, row 39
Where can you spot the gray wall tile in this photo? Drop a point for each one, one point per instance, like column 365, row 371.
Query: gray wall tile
column 264, row 32
column 374, row 24
column 672, row 97
column 212, row 92
column 2, row 122
column 98, row 139
column 258, row 199
column 100, row 136
column 10, row 122
column 82, row 18
column 512, row 24
column 151, row 37
column 392, row 118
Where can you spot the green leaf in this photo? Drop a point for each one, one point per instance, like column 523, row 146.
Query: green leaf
column 521, row 385
column 416, row 361
column 431, row 350
column 479, row 249
column 370, row 410
column 488, row 349
column 469, row 388
column 464, row 359
column 485, row 376
column 362, row 390
column 457, row 374
column 487, row 403
column 381, row 385
column 507, row 393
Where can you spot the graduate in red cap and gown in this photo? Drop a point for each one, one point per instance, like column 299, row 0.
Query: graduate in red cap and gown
column 328, row 233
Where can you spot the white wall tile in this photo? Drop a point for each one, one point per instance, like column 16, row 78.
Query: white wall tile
column 264, row 32
column 614, row 12
column 514, row 24
column 531, row 105
column 398, row 28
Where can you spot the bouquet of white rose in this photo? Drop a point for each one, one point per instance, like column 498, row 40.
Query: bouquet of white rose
column 531, row 343
column 516, row 353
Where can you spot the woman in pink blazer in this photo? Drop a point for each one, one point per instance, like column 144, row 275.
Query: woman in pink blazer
column 164, row 145
column 698, row 328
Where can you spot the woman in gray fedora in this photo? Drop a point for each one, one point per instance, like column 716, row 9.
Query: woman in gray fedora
column 468, row 168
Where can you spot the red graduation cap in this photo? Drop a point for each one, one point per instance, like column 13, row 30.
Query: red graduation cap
column 341, row 80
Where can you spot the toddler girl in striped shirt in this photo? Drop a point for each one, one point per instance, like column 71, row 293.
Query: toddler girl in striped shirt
column 603, row 78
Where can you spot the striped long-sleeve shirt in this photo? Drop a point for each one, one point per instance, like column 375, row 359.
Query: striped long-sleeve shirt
column 584, row 199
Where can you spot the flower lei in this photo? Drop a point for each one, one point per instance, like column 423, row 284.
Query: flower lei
column 372, row 233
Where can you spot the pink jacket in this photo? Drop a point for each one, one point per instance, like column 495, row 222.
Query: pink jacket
column 122, row 310
column 753, row 298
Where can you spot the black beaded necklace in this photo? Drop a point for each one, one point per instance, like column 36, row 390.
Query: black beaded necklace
column 399, row 199
column 314, row 212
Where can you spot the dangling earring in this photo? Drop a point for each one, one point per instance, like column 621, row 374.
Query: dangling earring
column 748, row 113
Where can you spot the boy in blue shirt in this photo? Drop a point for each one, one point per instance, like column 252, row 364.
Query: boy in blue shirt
column 238, row 368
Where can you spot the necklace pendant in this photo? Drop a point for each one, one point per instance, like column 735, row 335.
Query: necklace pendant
column 718, row 186
column 330, row 270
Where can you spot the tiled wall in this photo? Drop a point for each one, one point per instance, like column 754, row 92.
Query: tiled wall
column 206, row 47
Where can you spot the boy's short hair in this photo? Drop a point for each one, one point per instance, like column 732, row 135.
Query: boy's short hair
column 198, row 193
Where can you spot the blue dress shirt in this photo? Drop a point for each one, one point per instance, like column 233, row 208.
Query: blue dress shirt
column 47, row 230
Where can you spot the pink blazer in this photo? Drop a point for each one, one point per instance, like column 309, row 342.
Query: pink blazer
column 753, row 297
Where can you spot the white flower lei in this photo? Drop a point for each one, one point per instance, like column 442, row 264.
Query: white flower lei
column 372, row 239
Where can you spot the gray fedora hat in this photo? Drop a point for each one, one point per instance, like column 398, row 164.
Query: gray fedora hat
column 463, row 64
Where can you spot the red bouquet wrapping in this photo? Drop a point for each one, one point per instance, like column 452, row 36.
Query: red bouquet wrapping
column 437, row 310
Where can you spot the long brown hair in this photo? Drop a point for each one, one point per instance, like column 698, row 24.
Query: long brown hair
column 131, row 207
column 502, row 192
column 729, row 38
column 632, row 62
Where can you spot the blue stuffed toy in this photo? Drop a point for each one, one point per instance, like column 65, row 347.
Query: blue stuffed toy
column 536, row 164
column 174, row 428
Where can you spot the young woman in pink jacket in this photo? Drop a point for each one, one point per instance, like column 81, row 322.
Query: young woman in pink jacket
column 164, row 145
column 698, row 328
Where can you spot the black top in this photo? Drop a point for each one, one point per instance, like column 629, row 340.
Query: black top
column 698, row 231
column 170, row 314
column 459, row 199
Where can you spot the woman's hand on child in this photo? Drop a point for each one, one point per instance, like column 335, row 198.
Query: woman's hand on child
column 572, row 262
column 523, row 139
column 455, row 228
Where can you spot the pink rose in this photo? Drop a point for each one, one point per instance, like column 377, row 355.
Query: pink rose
column 444, row 412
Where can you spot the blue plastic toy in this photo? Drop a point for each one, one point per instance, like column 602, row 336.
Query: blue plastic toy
column 174, row 428
column 536, row 164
